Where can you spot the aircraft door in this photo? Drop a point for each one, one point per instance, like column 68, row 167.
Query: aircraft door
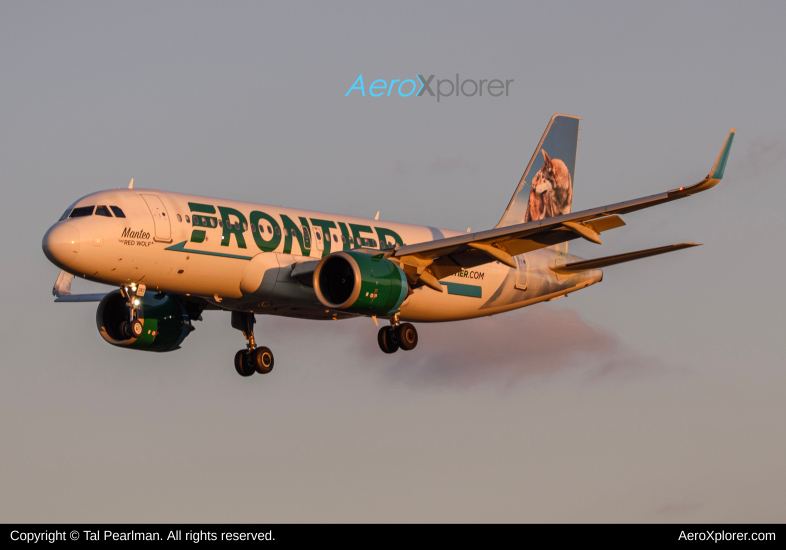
column 160, row 218
column 522, row 273
column 319, row 236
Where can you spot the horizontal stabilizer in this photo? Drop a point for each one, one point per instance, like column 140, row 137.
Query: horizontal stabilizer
column 82, row 297
column 586, row 265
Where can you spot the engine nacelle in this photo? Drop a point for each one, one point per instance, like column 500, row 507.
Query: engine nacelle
column 164, row 320
column 360, row 282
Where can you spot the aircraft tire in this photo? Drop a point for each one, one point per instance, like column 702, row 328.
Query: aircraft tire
column 242, row 364
column 407, row 336
column 136, row 329
column 386, row 338
column 261, row 359
column 125, row 330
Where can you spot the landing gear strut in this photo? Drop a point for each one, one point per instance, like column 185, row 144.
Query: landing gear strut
column 397, row 335
column 252, row 359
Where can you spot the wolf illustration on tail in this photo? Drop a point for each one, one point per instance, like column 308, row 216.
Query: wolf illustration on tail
column 546, row 190
column 551, row 192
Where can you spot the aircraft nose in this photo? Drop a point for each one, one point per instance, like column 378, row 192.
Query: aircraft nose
column 61, row 244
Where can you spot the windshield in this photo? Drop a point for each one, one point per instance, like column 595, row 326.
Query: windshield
column 82, row 211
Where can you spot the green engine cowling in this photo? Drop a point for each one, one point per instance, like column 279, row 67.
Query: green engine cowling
column 359, row 282
column 164, row 320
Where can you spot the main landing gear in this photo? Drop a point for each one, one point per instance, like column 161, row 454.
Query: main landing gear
column 252, row 359
column 397, row 336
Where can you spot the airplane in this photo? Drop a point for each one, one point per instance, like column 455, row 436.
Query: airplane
column 173, row 256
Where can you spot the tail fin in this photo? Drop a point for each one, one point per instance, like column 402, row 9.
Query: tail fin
column 546, row 188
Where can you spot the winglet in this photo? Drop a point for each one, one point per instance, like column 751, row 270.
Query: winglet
column 720, row 163
column 131, row 185
column 715, row 175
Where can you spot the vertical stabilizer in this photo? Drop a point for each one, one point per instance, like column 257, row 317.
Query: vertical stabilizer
column 546, row 188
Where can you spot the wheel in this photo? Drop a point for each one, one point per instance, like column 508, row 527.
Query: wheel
column 407, row 336
column 242, row 365
column 261, row 360
column 125, row 329
column 386, row 337
column 136, row 328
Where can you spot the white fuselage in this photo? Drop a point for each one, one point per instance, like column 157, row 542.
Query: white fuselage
column 239, row 255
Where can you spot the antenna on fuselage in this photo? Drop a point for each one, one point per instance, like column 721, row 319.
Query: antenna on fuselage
column 131, row 185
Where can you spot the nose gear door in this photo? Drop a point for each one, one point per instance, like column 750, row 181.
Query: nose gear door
column 160, row 218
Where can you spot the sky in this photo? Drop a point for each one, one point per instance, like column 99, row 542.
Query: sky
column 654, row 396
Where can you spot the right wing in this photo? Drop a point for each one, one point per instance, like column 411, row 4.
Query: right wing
column 62, row 290
column 433, row 260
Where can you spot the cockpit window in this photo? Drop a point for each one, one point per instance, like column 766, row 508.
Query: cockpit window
column 82, row 211
column 102, row 210
column 65, row 214
column 117, row 211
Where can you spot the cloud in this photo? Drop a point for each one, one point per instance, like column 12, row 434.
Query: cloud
column 505, row 349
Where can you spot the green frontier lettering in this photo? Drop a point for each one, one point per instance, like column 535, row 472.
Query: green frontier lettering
column 356, row 229
column 275, row 237
column 198, row 235
column 291, row 229
column 383, row 233
column 230, row 228
column 344, row 236
column 325, row 226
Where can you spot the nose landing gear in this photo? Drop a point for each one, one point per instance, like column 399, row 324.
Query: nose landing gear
column 396, row 336
column 252, row 359
column 133, row 328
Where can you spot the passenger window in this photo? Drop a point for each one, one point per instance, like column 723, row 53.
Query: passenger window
column 117, row 211
column 343, row 239
column 253, row 228
column 245, row 226
column 82, row 211
column 102, row 210
column 220, row 223
column 373, row 243
column 319, row 237
column 179, row 218
column 188, row 220
column 335, row 238
column 212, row 222
column 270, row 230
column 277, row 231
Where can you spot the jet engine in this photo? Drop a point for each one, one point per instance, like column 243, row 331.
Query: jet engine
column 360, row 282
column 165, row 322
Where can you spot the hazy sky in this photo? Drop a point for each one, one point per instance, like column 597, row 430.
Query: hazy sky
column 656, row 395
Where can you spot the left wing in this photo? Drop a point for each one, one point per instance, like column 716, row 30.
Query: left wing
column 433, row 260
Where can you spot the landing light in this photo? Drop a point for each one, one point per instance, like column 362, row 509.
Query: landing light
column 136, row 302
